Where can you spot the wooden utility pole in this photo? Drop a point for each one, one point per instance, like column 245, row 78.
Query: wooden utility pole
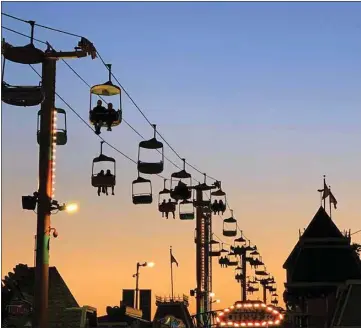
column 47, row 139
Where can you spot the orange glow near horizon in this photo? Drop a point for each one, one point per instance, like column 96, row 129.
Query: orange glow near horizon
column 267, row 126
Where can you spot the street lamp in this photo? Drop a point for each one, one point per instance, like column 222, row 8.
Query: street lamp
column 136, row 276
column 216, row 301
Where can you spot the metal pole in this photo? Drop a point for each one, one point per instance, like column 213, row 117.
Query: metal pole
column 171, row 272
column 34, row 251
column 137, row 286
column 324, row 188
column 45, row 194
column 244, row 277
column 208, row 245
column 200, row 257
column 329, row 198
column 207, row 260
column 264, row 294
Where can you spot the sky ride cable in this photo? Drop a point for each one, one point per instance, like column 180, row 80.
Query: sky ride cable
column 90, row 127
column 106, row 142
column 125, row 91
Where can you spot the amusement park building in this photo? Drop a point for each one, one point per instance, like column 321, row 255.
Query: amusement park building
column 323, row 287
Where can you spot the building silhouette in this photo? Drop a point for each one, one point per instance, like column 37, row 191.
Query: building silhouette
column 323, row 287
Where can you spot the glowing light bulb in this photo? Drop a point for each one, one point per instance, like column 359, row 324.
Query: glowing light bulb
column 71, row 208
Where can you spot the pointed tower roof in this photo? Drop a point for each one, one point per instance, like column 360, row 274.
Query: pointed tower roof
column 322, row 254
column 322, row 226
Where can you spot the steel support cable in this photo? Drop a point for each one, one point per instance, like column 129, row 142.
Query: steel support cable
column 90, row 127
column 71, row 68
column 150, row 123
column 128, row 95
column 125, row 91
column 42, row 26
column 81, row 78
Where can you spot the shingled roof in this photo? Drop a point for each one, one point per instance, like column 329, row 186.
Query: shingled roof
column 60, row 297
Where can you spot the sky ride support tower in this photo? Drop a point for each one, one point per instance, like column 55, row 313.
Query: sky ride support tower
column 203, row 243
column 48, row 137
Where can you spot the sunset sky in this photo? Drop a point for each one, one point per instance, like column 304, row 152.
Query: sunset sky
column 263, row 96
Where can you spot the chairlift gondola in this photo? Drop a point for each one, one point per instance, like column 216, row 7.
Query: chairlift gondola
column 233, row 261
column 219, row 200
column 61, row 135
column 240, row 239
column 214, row 251
column 186, row 210
column 275, row 301
column 224, row 261
column 261, row 272
column 249, row 248
column 101, row 179
column 142, row 197
column 22, row 96
column 151, row 167
column 181, row 191
column 206, row 198
column 223, row 250
column 99, row 116
column 231, row 221
column 27, row 55
column 165, row 205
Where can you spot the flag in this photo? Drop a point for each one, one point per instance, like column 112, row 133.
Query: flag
column 325, row 190
column 172, row 259
column 333, row 199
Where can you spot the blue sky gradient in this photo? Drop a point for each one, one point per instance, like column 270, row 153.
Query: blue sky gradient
column 263, row 96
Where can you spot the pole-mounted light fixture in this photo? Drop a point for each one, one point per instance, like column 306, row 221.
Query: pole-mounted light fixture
column 136, row 276
column 30, row 203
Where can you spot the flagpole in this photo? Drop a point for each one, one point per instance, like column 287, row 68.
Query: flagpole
column 171, row 272
column 329, row 188
column 324, row 187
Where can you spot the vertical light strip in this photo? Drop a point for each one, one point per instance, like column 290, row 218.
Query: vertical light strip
column 53, row 155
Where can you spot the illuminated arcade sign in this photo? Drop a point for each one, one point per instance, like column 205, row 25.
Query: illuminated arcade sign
column 249, row 314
